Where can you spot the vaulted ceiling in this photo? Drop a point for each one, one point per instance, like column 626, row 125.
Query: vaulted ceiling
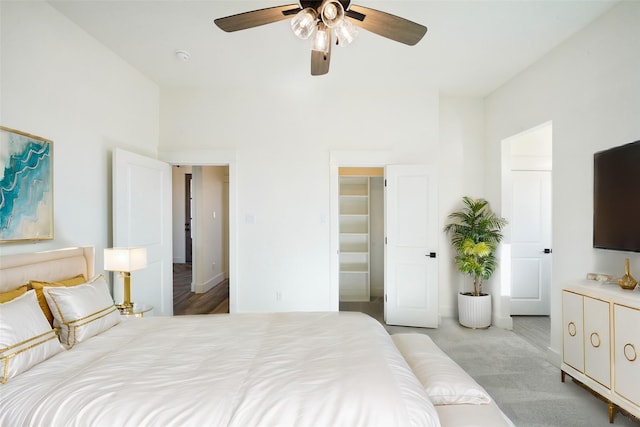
column 472, row 47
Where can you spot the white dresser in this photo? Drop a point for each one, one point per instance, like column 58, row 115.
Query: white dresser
column 601, row 341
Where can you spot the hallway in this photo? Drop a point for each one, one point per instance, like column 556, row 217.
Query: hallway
column 214, row 301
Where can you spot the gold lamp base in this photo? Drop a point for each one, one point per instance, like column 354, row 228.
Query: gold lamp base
column 127, row 304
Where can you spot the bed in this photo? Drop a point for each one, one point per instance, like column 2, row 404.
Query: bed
column 253, row 369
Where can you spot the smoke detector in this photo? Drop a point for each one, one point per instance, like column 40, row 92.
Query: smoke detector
column 183, row 55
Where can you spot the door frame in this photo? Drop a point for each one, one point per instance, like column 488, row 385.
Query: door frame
column 217, row 158
column 539, row 163
column 338, row 159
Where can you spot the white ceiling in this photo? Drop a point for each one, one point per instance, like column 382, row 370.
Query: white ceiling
column 472, row 47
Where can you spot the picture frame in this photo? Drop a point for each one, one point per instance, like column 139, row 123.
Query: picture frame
column 26, row 187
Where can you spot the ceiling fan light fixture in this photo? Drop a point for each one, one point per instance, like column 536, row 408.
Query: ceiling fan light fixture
column 322, row 39
column 346, row 33
column 304, row 23
column 332, row 13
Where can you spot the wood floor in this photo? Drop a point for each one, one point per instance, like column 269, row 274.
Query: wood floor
column 214, row 301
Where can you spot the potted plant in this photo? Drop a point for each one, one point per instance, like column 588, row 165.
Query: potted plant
column 475, row 232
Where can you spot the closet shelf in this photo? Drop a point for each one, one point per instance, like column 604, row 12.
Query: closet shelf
column 354, row 238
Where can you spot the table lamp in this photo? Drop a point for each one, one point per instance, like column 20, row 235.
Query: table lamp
column 124, row 261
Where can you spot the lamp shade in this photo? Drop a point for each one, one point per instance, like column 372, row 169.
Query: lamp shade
column 346, row 32
column 125, row 259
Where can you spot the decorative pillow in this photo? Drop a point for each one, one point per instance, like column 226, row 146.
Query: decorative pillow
column 81, row 311
column 38, row 286
column 8, row 296
column 445, row 382
column 26, row 338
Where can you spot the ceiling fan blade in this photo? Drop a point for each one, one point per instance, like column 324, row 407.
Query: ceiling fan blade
column 320, row 62
column 386, row 25
column 255, row 18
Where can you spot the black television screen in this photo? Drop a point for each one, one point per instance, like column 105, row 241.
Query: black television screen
column 616, row 198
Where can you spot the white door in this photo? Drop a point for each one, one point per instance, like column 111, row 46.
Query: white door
column 411, row 230
column 530, row 223
column 142, row 217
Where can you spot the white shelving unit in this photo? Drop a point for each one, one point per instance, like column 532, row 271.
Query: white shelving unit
column 354, row 239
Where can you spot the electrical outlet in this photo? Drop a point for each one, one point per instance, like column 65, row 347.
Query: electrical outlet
column 278, row 296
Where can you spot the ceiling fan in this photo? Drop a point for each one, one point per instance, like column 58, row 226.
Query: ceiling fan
column 326, row 18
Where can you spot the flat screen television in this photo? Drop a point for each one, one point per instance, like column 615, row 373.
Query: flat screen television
column 616, row 198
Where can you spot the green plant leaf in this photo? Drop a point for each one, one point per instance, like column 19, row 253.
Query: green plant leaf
column 475, row 233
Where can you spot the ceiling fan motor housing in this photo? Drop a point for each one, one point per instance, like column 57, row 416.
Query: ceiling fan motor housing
column 316, row 4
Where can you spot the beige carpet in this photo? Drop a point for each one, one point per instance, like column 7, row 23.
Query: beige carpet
column 517, row 375
column 514, row 371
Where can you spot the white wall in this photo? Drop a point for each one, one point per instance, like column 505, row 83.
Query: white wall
column 461, row 173
column 590, row 88
column 209, row 227
column 283, row 141
column 59, row 83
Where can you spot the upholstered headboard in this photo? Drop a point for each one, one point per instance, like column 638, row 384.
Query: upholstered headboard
column 46, row 266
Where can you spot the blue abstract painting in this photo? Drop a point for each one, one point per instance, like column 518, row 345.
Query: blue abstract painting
column 26, row 187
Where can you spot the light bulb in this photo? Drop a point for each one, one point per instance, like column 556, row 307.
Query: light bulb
column 322, row 40
column 304, row 22
column 332, row 13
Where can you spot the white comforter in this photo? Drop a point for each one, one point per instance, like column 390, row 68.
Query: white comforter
column 287, row 369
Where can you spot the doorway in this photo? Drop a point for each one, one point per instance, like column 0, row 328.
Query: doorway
column 201, row 239
column 410, row 238
column 188, row 198
column 526, row 194
column 361, row 246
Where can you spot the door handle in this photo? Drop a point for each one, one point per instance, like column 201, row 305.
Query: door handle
column 431, row 255
column 547, row 251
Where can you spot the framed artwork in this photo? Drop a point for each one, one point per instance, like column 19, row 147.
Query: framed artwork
column 26, row 187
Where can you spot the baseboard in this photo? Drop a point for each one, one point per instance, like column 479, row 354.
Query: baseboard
column 209, row 284
column 503, row 322
column 554, row 357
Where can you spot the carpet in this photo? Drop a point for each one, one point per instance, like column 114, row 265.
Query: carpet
column 519, row 378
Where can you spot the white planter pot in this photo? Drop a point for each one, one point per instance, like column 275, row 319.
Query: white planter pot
column 474, row 312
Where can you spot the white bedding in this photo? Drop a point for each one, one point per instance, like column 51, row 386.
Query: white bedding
column 280, row 369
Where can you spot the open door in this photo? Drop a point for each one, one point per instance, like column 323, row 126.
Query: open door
column 411, row 230
column 142, row 217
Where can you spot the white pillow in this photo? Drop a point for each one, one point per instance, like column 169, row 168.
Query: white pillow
column 445, row 382
column 81, row 311
column 26, row 337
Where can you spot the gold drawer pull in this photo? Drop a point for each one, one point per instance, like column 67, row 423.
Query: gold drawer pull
column 597, row 337
column 630, row 352
column 572, row 329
